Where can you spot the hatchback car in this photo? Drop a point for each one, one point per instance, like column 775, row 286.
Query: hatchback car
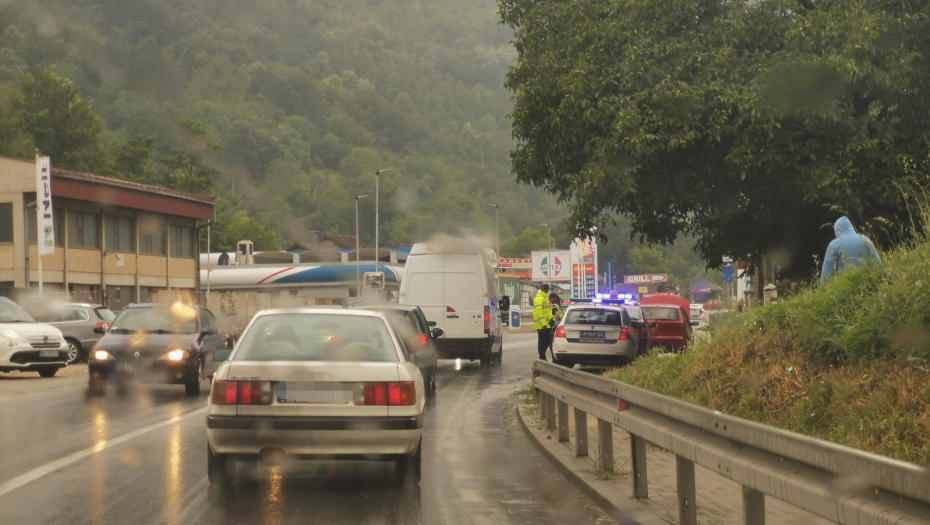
column 590, row 334
column 315, row 383
column 27, row 345
column 156, row 343
column 76, row 322
column 673, row 330
column 698, row 314
column 417, row 337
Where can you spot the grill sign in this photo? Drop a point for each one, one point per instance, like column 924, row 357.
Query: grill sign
column 645, row 279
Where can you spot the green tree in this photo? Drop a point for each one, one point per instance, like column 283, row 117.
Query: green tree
column 131, row 159
column 747, row 124
column 523, row 245
column 252, row 147
column 62, row 125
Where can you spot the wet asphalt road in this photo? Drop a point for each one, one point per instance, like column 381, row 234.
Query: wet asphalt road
column 141, row 458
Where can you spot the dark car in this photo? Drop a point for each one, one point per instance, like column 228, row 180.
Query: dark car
column 417, row 336
column 673, row 326
column 159, row 344
column 642, row 326
column 76, row 322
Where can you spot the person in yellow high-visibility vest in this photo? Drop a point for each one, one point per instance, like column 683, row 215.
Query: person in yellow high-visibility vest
column 542, row 320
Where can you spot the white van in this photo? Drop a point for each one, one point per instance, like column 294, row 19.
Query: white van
column 453, row 282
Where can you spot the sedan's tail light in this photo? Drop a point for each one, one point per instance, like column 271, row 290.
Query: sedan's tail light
column 105, row 326
column 624, row 333
column 241, row 393
column 403, row 393
column 560, row 331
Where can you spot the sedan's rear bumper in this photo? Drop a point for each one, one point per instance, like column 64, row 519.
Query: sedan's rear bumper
column 361, row 437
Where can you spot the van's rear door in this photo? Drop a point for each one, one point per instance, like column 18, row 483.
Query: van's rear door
column 425, row 289
column 464, row 316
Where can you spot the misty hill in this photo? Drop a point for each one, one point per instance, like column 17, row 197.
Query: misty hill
column 285, row 108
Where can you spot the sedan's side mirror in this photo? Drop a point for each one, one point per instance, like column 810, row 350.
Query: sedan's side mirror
column 654, row 324
column 100, row 330
column 437, row 332
column 695, row 323
column 221, row 354
column 210, row 331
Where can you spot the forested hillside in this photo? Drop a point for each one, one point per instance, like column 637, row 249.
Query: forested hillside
column 284, row 109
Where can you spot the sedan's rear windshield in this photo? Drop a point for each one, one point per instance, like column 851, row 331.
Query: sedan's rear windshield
column 662, row 314
column 594, row 317
column 316, row 337
column 104, row 313
column 635, row 313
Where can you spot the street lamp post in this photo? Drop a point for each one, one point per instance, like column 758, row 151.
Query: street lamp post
column 549, row 243
column 497, row 230
column 377, row 215
column 358, row 270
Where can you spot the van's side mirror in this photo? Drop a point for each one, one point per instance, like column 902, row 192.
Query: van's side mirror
column 221, row 354
column 654, row 324
column 505, row 302
column 100, row 330
column 437, row 332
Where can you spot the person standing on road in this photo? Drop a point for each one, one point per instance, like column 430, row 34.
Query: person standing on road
column 555, row 303
column 848, row 250
column 542, row 315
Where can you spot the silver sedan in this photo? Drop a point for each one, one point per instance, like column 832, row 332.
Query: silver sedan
column 595, row 334
column 315, row 383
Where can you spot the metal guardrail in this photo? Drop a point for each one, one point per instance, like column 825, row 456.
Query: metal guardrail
column 839, row 483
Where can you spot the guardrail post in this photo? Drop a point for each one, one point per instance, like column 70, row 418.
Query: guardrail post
column 605, row 445
column 753, row 506
column 638, row 457
column 563, row 421
column 542, row 405
column 687, row 507
column 581, row 433
column 550, row 411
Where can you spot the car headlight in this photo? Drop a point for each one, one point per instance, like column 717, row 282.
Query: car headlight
column 102, row 355
column 10, row 334
column 175, row 355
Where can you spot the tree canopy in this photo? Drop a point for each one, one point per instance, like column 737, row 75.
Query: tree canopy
column 749, row 125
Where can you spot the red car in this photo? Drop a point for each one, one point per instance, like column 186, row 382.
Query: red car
column 673, row 325
column 643, row 328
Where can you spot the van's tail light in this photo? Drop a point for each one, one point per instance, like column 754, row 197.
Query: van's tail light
column 624, row 333
column 560, row 332
column 241, row 393
column 487, row 320
column 403, row 393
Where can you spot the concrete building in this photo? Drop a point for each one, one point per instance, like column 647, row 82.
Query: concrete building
column 115, row 241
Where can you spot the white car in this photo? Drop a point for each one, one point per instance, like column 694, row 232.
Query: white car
column 27, row 345
column 698, row 315
column 315, row 383
column 595, row 334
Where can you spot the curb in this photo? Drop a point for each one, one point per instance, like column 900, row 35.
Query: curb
column 607, row 498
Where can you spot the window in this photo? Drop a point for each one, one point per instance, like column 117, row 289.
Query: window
column 152, row 242
column 206, row 319
column 594, row 317
column 74, row 314
column 119, row 296
column 119, row 234
column 6, row 222
column 83, row 230
column 31, row 225
column 661, row 314
column 182, row 241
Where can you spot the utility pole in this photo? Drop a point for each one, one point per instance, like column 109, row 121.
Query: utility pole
column 314, row 232
column 497, row 230
column 377, row 215
column 358, row 271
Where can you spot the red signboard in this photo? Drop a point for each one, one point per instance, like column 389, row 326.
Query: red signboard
column 645, row 279
column 515, row 263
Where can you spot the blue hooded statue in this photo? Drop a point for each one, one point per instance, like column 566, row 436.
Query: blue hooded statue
column 849, row 250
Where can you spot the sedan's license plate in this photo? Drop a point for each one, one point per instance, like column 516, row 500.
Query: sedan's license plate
column 330, row 392
column 48, row 353
column 592, row 335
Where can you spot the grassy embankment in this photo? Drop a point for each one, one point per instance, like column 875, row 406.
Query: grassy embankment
column 848, row 362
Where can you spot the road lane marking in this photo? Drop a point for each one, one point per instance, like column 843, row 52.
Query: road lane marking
column 59, row 464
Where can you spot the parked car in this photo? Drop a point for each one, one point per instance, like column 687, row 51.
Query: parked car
column 673, row 326
column 642, row 326
column 27, row 345
column 698, row 314
column 76, row 322
column 417, row 337
column 310, row 383
column 456, row 287
column 156, row 343
column 594, row 334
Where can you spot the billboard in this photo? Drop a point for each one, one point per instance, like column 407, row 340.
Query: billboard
column 558, row 270
column 645, row 279
column 44, row 222
column 516, row 264
column 584, row 268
